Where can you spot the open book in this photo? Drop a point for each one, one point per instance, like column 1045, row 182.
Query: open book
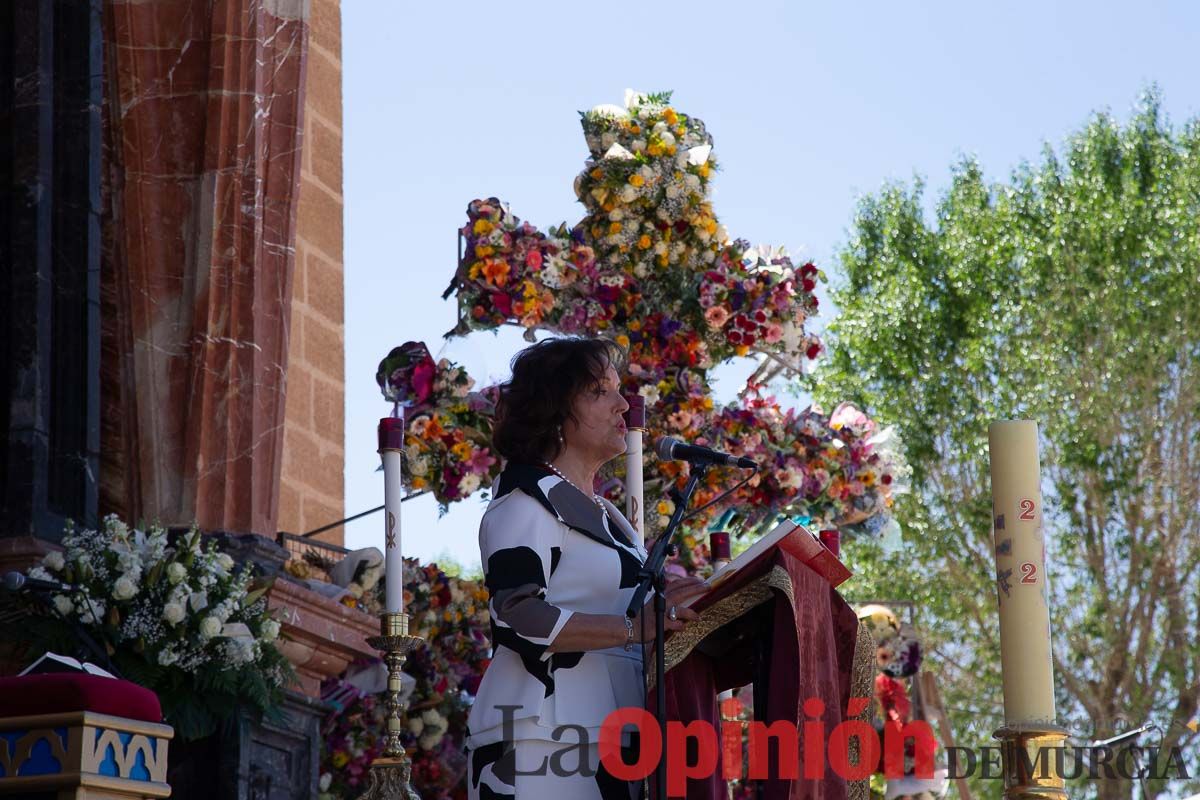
column 793, row 539
column 53, row 662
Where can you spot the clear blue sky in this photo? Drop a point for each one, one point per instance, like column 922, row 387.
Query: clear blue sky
column 810, row 105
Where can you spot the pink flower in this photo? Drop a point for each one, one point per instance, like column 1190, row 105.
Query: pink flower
column 774, row 332
column 716, row 317
column 533, row 259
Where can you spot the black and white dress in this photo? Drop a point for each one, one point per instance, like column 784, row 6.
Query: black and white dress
column 549, row 551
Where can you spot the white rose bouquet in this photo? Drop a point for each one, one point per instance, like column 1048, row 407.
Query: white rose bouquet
column 179, row 618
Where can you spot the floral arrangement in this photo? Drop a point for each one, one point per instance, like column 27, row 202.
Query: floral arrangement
column 448, row 441
column 176, row 616
column 451, row 615
column 651, row 267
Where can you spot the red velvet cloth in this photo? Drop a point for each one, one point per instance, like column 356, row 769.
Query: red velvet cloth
column 56, row 692
column 812, row 656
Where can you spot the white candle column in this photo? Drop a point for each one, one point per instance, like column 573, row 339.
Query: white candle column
column 1021, row 586
column 391, row 449
column 635, row 428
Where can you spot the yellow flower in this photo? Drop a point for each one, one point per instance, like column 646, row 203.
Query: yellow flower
column 710, row 225
column 670, row 116
column 461, row 451
column 662, row 260
column 704, row 170
column 340, row 759
column 644, row 241
column 623, row 340
column 637, row 180
column 483, row 250
column 597, row 174
column 665, row 507
column 418, row 483
column 635, row 325
column 689, row 541
column 655, row 149
column 482, row 226
column 614, row 228
column 608, row 205
column 474, row 271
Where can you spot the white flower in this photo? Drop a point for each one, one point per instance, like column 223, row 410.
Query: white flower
column 616, row 215
column 40, row 573
column 54, row 560
column 431, row 740
column 270, row 630
column 209, row 627
column 638, row 145
column 607, row 139
column 628, row 193
column 415, row 726
column 224, row 561
column 167, row 656
column 608, row 110
column 176, row 572
column 92, row 611
column 63, row 604
column 324, row 782
column 667, row 138
column 124, row 588
column 173, row 613
column 618, row 152
column 198, row 601
column 651, row 393
column 468, row 484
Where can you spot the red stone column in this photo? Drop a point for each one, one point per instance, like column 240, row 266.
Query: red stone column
column 203, row 109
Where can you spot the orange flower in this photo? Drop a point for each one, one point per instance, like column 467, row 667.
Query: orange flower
column 496, row 272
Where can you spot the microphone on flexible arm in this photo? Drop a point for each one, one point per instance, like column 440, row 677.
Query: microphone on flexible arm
column 17, row 582
column 670, row 449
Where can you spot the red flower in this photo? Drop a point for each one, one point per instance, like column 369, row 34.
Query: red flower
column 808, row 284
column 533, row 259
column 502, row 303
column 808, row 269
column 813, row 351
column 422, row 379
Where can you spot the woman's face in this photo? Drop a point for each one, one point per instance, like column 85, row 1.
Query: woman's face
column 598, row 430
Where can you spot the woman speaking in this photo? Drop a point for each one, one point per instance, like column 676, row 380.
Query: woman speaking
column 560, row 565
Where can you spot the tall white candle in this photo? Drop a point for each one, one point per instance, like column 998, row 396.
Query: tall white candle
column 391, row 448
column 1021, row 585
column 635, row 425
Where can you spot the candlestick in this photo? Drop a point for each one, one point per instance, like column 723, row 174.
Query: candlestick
column 635, row 428
column 1023, row 595
column 390, row 776
column 718, row 550
column 391, row 449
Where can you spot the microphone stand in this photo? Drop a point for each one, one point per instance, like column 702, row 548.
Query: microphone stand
column 651, row 575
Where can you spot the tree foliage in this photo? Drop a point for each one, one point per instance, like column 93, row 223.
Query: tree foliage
column 1069, row 294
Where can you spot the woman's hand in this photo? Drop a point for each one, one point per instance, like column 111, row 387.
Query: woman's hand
column 680, row 589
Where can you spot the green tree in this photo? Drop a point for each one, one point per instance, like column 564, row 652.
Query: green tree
column 1070, row 295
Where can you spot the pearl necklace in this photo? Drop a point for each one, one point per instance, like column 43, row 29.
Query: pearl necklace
column 595, row 497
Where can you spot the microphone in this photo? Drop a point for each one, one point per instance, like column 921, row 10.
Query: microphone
column 669, row 449
column 16, row 582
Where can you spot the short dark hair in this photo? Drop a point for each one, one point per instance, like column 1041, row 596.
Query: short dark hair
column 546, row 379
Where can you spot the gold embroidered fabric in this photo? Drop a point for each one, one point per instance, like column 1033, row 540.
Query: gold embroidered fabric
column 755, row 593
column 862, row 684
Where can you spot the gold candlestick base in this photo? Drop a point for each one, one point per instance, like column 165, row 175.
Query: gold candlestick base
column 1030, row 761
column 390, row 776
